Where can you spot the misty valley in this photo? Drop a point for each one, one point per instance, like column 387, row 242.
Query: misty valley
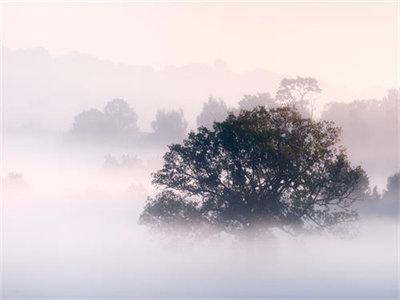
column 73, row 201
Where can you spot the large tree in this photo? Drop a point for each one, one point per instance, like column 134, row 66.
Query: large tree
column 254, row 171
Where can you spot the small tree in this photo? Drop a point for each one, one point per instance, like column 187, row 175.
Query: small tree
column 169, row 126
column 91, row 123
column 121, row 116
column 299, row 92
column 385, row 205
column 117, row 123
column 213, row 111
column 258, row 170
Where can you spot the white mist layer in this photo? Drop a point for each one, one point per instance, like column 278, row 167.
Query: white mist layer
column 70, row 230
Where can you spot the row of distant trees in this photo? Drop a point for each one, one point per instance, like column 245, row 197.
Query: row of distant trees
column 366, row 124
column 117, row 123
column 299, row 92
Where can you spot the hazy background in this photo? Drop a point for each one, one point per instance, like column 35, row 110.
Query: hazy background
column 71, row 196
column 353, row 44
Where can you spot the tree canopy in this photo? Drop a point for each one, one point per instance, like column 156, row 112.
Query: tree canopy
column 249, row 102
column 254, row 171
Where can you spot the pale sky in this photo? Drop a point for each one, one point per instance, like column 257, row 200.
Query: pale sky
column 354, row 44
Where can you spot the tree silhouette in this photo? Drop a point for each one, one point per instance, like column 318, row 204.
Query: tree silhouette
column 121, row 116
column 299, row 92
column 385, row 205
column 116, row 124
column 168, row 127
column 393, row 187
column 258, row 170
column 369, row 127
column 91, row 123
column 213, row 111
column 389, row 204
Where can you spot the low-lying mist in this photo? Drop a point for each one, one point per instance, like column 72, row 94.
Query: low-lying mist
column 70, row 229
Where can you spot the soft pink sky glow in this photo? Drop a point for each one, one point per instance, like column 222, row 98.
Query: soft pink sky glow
column 354, row 44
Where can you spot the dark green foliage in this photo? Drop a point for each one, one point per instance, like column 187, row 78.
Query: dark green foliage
column 257, row 170
column 171, row 211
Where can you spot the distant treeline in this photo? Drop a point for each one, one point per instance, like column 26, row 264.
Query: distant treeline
column 368, row 126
